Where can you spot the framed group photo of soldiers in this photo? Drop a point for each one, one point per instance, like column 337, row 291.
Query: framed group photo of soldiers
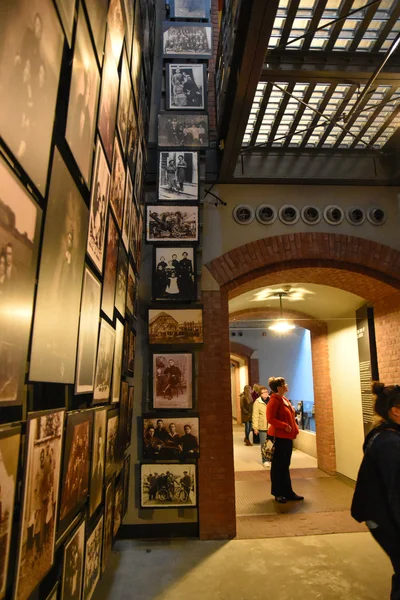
column 174, row 274
column 189, row 9
column 178, row 176
column 189, row 40
column 172, row 224
column 182, row 130
column 172, row 381
column 175, row 326
column 170, row 438
column 166, row 485
column 186, row 86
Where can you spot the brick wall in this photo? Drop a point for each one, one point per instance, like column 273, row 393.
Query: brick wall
column 387, row 331
column 252, row 363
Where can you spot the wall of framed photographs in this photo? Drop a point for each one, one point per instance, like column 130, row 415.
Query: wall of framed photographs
column 75, row 83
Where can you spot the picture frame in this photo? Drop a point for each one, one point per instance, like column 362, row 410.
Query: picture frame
column 72, row 574
column 170, row 438
column 126, row 223
column 117, row 189
column 98, row 208
column 110, row 269
column 108, row 101
column 97, row 12
column 131, row 291
column 131, row 136
column 175, row 326
column 122, row 280
column 131, row 351
column 182, row 130
column 123, row 414
column 112, row 448
column 117, row 368
column 116, row 28
column 108, row 522
column 187, row 40
column 123, row 101
column 128, row 436
column 92, row 560
column 186, row 86
column 54, row 592
column 174, row 274
column 172, row 391
column 118, row 505
column 98, row 459
column 127, row 476
column 105, row 355
column 192, row 9
column 168, row 485
column 66, row 8
column 178, row 176
column 172, row 224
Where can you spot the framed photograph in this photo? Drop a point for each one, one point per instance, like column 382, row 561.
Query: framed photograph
column 116, row 28
column 123, row 414
column 131, row 292
column 66, row 8
column 122, row 278
column 186, row 86
column 129, row 417
column 54, row 593
column 92, row 560
column 136, row 60
column 105, row 355
column 127, row 475
column 189, row 9
column 127, row 210
column 125, row 346
column 98, row 459
column 98, row 208
column 168, row 485
column 30, row 61
column 55, row 331
column 88, row 333
column 83, row 99
column 139, row 173
column 117, row 370
column 182, row 130
column 108, row 522
column 131, row 352
column 174, row 274
column 117, row 190
column 72, row 575
column 110, row 270
column 178, row 176
column 19, row 245
column 189, row 40
column 118, row 505
column 39, row 500
column 172, row 224
column 123, row 104
column 112, row 449
column 129, row 7
column 133, row 233
column 172, row 380
column 175, row 326
column 97, row 11
column 108, row 102
column 10, row 438
column 170, row 439
column 132, row 136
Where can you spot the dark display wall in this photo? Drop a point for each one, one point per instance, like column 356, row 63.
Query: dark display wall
column 75, row 82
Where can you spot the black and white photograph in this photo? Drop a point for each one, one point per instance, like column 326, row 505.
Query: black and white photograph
column 32, row 42
column 76, row 466
column 182, row 130
column 108, row 101
column 66, row 8
column 133, row 233
column 39, row 500
column 88, row 333
column 118, row 505
column 132, row 136
column 112, row 448
column 98, row 208
column 116, row 28
column 172, row 223
column 122, row 280
column 98, row 459
column 10, row 438
column 131, row 291
column 20, row 225
column 83, row 99
column 186, row 87
column 108, row 522
column 127, row 474
column 97, row 11
column 117, row 190
column 123, row 103
column 187, row 40
column 176, row 326
column 170, row 439
column 136, row 59
column 127, row 210
column 172, row 380
column 55, row 331
column 167, row 485
column 72, row 575
column 190, row 9
column 178, row 176
column 117, row 370
column 173, row 274
column 92, row 560
column 110, row 269
column 105, row 356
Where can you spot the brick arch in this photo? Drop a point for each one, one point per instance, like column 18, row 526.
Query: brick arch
column 252, row 363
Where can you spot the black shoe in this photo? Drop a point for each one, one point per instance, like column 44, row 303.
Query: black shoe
column 280, row 499
column 295, row 498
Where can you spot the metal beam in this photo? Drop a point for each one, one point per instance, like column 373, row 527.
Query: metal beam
column 281, row 112
column 317, row 118
column 315, row 76
column 350, row 122
column 375, row 112
column 387, row 28
column 299, row 114
column 338, row 113
column 337, row 28
column 261, row 113
column 362, row 28
column 287, row 28
column 384, row 126
column 318, row 12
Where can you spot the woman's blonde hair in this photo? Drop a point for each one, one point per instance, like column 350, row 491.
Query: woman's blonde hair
column 257, row 387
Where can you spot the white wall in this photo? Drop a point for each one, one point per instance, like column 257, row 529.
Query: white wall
column 346, row 396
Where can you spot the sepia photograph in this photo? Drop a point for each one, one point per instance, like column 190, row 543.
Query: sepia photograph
column 112, row 449
column 123, row 414
column 129, row 417
column 136, row 59
column 176, row 326
column 66, row 8
column 98, row 208
column 76, row 463
column 170, row 439
column 139, row 174
column 118, row 505
column 83, row 100
column 178, row 176
column 110, row 269
column 173, row 274
column 117, row 190
column 117, row 370
column 32, row 42
column 167, row 485
column 108, row 522
column 20, row 225
column 123, row 103
column 190, row 9
column 133, row 233
column 116, row 28
column 127, row 474
column 187, row 39
column 129, row 7
column 186, row 87
column 98, row 459
column 55, row 331
column 182, row 130
column 105, row 355
column 172, row 380
column 172, row 223
column 122, row 279
column 131, row 352
column 10, row 438
column 131, row 292
column 92, row 560
column 127, row 210
column 39, row 500
column 108, row 102
column 97, row 11
column 88, row 333
column 74, row 552
column 131, row 136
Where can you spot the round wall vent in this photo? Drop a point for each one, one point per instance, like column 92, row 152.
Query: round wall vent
column 266, row 214
column 311, row 215
column 355, row 215
column 376, row 216
column 289, row 214
column 333, row 215
column 243, row 214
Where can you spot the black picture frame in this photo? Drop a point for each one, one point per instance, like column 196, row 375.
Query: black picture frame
column 116, row 28
column 191, row 47
column 108, row 522
column 125, row 87
column 73, row 563
column 107, row 117
column 195, row 9
column 161, row 493
column 118, row 505
column 97, row 12
column 66, row 8
column 189, row 91
column 128, row 433
column 54, row 592
column 178, row 176
column 183, row 130
column 117, row 187
column 93, row 553
column 104, row 362
column 110, row 268
column 172, row 224
column 127, row 477
column 117, row 367
column 122, row 280
column 177, row 326
column 112, row 446
column 98, row 459
column 177, row 437
column 174, row 279
column 172, row 402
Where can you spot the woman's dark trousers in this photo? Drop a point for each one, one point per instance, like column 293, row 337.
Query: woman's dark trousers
column 389, row 542
column 281, row 484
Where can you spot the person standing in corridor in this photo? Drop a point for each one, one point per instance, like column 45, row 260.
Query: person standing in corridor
column 259, row 421
column 246, row 410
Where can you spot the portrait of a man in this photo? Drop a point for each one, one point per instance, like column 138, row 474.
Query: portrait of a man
column 173, row 380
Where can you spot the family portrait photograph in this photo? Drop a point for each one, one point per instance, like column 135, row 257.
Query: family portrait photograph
column 98, row 208
column 98, row 460
column 74, row 552
column 186, row 85
column 92, row 560
column 108, row 101
column 187, row 40
column 117, row 190
column 170, row 439
column 117, row 369
column 172, row 380
column 176, row 326
column 110, row 269
column 97, row 11
column 172, row 223
column 165, row 485
column 108, row 522
column 112, row 447
column 20, row 225
column 190, row 9
column 31, row 49
column 105, row 355
column 174, row 274
column 178, row 176
column 182, row 130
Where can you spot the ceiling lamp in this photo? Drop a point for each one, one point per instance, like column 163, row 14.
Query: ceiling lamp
column 281, row 325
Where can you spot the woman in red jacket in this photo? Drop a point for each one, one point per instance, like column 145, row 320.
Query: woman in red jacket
column 283, row 427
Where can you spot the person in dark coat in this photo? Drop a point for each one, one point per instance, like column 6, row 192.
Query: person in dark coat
column 189, row 442
column 376, row 497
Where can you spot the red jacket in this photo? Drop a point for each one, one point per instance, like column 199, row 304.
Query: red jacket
column 279, row 416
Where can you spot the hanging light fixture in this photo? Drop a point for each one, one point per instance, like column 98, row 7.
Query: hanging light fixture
column 281, row 325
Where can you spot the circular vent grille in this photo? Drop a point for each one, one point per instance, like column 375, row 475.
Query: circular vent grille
column 376, row 216
column 333, row 215
column 243, row 214
column 311, row 215
column 266, row 214
column 355, row 215
column 289, row 214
